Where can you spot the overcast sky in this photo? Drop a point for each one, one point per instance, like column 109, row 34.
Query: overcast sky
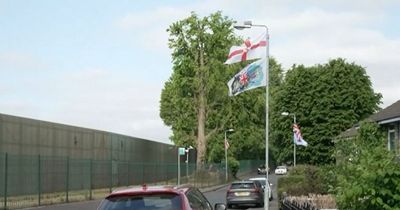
column 102, row 64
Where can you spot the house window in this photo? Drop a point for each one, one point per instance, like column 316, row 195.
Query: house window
column 391, row 140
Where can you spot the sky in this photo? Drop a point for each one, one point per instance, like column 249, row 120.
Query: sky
column 102, row 64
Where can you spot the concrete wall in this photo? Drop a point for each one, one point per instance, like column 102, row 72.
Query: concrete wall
column 23, row 136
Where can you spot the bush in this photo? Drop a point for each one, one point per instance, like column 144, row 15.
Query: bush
column 292, row 185
column 368, row 176
column 234, row 166
column 304, row 180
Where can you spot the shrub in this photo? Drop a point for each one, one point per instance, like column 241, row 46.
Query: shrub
column 233, row 166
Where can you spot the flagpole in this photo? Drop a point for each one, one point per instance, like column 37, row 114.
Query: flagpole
column 226, row 153
column 266, row 195
column 249, row 24
column 294, row 140
column 226, row 160
column 294, row 143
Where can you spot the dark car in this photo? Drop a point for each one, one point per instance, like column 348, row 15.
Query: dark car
column 245, row 193
column 157, row 198
column 262, row 170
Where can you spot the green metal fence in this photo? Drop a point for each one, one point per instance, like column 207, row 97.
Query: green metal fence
column 27, row 181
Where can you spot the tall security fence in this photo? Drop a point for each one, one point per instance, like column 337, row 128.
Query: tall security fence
column 27, row 181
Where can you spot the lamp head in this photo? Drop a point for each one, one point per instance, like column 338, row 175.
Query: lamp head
column 285, row 113
column 230, row 130
column 244, row 25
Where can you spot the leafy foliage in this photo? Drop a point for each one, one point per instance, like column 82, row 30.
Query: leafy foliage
column 191, row 101
column 200, row 46
column 234, row 166
column 368, row 176
column 326, row 99
column 304, row 180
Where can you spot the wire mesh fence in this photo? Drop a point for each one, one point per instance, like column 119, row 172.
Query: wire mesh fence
column 27, row 181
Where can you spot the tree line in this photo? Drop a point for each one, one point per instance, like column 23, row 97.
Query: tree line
column 327, row 99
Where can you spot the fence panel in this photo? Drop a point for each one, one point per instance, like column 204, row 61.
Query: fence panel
column 27, row 181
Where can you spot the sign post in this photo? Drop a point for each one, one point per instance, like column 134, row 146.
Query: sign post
column 181, row 151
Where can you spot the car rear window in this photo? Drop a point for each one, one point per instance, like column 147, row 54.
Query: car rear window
column 261, row 181
column 245, row 185
column 145, row 202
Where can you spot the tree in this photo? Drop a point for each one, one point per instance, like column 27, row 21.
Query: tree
column 195, row 102
column 327, row 99
column 192, row 100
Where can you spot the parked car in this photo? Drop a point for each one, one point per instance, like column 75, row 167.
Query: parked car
column 265, row 186
column 245, row 193
column 281, row 170
column 158, row 197
column 262, row 170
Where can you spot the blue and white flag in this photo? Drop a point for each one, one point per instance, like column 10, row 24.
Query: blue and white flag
column 252, row 76
column 297, row 138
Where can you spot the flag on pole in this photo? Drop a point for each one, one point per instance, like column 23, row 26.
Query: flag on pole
column 249, row 50
column 226, row 144
column 297, row 138
column 252, row 76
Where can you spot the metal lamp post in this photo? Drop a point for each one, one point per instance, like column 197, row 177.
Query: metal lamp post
column 245, row 25
column 226, row 155
column 294, row 144
column 187, row 160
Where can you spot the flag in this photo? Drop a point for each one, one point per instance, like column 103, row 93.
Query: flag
column 226, row 144
column 252, row 76
column 249, row 50
column 297, row 138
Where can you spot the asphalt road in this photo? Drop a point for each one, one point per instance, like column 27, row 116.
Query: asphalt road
column 218, row 196
column 215, row 196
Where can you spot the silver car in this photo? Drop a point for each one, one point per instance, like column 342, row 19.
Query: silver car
column 265, row 186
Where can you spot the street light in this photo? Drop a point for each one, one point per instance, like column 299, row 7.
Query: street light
column 187, row 160
column 245, row 25
column 294, row 144
column 226, row 154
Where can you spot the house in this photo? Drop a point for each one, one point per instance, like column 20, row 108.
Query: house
column 389, row 120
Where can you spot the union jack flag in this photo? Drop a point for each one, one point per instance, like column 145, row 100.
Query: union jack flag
column 297, row 138
column 226, row 144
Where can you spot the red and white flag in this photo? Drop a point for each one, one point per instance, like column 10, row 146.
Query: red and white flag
column 297, row 138
column 249, row 50
column 226, row 144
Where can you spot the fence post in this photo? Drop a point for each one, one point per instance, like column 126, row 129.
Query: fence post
column 90, row 178
column 39, row 181
column 111, row 174
column 67, row 182
column 142, row 174
column 5, row 180
column 129, row 170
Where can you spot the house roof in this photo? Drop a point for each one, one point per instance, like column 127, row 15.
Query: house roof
column 391, row 112
column 386, row 115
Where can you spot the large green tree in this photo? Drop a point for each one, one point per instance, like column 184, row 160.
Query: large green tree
column 195, row 102
column 326, row 99
column 193, row 98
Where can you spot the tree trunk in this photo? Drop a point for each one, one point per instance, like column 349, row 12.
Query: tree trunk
column 201, row 138
column 201, row 115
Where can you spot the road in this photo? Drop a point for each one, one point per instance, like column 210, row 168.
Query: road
column 216, row 196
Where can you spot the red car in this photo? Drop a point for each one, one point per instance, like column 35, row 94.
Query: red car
column 157, row 198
